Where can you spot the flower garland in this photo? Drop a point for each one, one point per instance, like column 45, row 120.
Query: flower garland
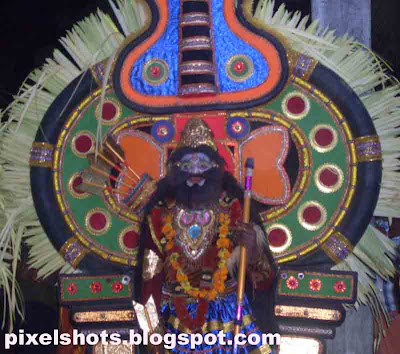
column 220, row 274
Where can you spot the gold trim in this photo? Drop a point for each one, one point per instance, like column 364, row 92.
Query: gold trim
column 292, row 115
column 299, row 61
column 248, row 62
column 194, row 247
column 216, row 325
column 316, row 146
column 43, row 158
column 196, row 133
column 99, row 116
column 314, row 313
column 104, row 316
column 292, row 58
column 130, row 251
column 100, row 78
column 77, row 135
column 71, row 244
column 153, row 235
column 329, row 189
column 147, row 191
column 305, row 224
column 106, row 227
column 71, row 190
column 42, row 145
column 344, row 243
column 152, row 265
column 365, row 155
column 288, row 242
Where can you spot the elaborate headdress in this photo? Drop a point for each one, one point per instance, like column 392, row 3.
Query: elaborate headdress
column 195, row 134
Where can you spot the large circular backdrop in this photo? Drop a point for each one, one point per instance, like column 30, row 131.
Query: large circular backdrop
column 317, row 174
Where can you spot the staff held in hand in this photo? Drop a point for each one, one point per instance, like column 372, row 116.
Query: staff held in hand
column 249, row 166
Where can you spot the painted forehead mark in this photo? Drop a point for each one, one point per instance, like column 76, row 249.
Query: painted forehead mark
column 198, row 156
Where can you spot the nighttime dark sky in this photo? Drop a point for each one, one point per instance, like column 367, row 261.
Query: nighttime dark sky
column 29, row 31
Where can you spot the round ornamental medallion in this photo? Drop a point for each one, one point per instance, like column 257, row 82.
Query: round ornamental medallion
column 279, row 237
column 329, row 178
column 72, row 288
column 237, row 127
column 239, row 68
column 292, row 283
column 163, row 131
column 155, row 71
column 110, row 112
column 340, row 286
column 98, row 221
column 117, row 287
column 323, row 138
column 74, row 186
column 96, row 287
column 194, row 231
column 296, row 105
column 312, row 215
column 129, row 240
column 315, row 285
column 83, row 143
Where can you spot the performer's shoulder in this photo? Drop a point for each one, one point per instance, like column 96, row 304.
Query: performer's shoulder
column 227, row 201
column 157, row 214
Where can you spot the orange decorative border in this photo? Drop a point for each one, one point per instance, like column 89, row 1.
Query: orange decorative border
column 264, row 46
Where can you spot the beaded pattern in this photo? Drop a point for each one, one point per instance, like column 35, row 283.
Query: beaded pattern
column 41, row 155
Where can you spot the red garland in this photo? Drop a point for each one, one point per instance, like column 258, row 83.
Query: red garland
column 196, row 323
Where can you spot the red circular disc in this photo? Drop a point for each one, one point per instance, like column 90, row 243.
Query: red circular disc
column 76, row 183
column 83, row 144
column 329, row 177
column 312, row 215
column 239, row 66
column 98, row 221
column 296, row 105
column 109, row 111
column 324, row 137
column 155, row 71
column 277, row 237
column 130, row 239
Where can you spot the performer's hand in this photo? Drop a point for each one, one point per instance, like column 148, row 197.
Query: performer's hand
column 247, row 237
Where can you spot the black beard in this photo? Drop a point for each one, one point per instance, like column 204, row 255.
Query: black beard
column 198, row 196
column 173, row 186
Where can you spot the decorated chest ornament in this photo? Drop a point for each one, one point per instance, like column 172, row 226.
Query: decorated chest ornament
column 243, row 92
column 175, row 259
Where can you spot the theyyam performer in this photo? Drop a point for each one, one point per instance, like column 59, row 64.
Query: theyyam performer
column 191, row 245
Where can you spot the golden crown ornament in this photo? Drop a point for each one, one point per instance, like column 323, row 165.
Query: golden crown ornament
column 195, row 134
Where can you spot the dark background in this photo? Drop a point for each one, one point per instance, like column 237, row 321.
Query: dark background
column 29, row 32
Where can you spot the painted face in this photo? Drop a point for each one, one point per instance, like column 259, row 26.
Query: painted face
column 195, row 164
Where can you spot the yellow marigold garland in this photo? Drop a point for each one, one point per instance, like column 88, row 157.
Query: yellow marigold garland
column 220, row 274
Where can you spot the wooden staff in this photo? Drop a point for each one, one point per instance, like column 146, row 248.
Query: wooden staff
column 249, row 166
